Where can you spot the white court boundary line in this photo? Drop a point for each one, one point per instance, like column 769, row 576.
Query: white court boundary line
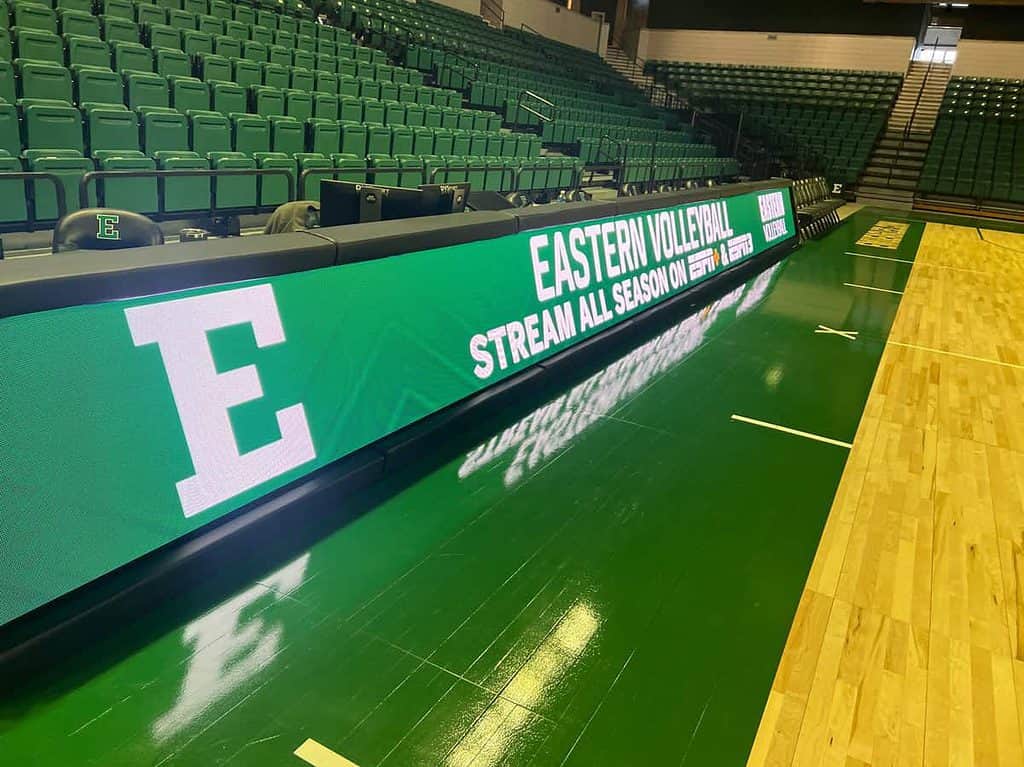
column 972, row 357
column 880, row 258
column 794, row 432
column 872, row 287
column 319, row 755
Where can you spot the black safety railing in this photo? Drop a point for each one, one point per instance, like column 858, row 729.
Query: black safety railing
column 521, row 106
column 99, row 176
column 30, row 178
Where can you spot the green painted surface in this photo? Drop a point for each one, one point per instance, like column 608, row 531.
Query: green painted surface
column 608, row 581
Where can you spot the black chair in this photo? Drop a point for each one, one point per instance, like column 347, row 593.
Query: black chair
column 104, row 229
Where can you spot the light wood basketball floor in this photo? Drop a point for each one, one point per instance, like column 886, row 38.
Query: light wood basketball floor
column 906, row 648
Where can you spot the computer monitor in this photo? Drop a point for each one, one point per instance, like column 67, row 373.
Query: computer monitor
column 345, row 202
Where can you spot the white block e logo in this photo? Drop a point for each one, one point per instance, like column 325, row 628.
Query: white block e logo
column 203, row 396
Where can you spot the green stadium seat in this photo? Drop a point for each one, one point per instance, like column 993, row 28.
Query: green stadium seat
column 213, row 67
column 414, row 116
column 309, row 188
column 278, row 54
column 353, row 167
column 131, row 57
column 66, row 164
column 171, row 63
column 120, row 8
column 444, row 142
column 266, row 101
column 373, row 112
column 118, row 29
column 78, row 24
column 369, row 89
column 234, row 191
column 250, row 134
column 197, row 7
column 394, row 113
column 301, row 80
column 110, row 129
column 239, row 32
column 10, row 130
column 163, row 130
column 34, row 16
column 7, row 82
column 184, row 194
column 160, row 36
column 180, row 19
column 460, row 143
column 298, row 104
column 401, row 140
column 189, row 94
column 147, row 15
column 351, row 109
column 221, row 9
column 322, row 136
column 38, row 45
column 245, row 73
column 348, row 86
column 378, row 140
column 146, row 89
column 353, row 139
column 274, row 75
column 227, row 98
column 228, row 47
column 135, row 194
column 325, row 82
column 85, row 6
column 386, row 169
column 325, row 106
column 265, row 36
column 301, row 59
column 287, row 135
column 209, row 132
column 211, row 25
column 13, row 196
column 98, row 86
column 88, row 52
column 42, row 80
column 194, row 43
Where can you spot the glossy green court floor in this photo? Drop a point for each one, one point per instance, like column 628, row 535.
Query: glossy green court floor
column 607, row 580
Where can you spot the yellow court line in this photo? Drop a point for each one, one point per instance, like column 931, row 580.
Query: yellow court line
column 319, row 755
column 872, row 287
column 794, row 432
column 956, row 354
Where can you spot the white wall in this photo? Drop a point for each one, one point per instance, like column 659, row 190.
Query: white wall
column 469, row 6
column 556, row 22
column 988, row 58
column 867, row 52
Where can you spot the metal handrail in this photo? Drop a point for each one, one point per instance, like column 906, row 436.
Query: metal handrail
column 497, row 9
column 162, row 175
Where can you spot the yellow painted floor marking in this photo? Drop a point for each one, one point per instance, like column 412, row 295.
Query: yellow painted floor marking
column 787, row 430
column 884, row 234
column 956, row 354
column 872, row 287
column 319, row 755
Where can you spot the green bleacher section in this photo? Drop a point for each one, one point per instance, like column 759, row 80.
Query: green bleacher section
column 977, row 148
column 591, row 100
column 121, row 85
column 814, row 120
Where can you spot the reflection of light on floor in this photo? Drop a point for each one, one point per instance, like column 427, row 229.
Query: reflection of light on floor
column 495, row 731
column 551, row 427
column 226, row 653
column 773, row 377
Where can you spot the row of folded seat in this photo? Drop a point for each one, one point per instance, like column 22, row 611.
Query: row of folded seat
column 224, row 59
column 116, row 138
column 196, row 194
column 96, row 85
column 120, row 18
